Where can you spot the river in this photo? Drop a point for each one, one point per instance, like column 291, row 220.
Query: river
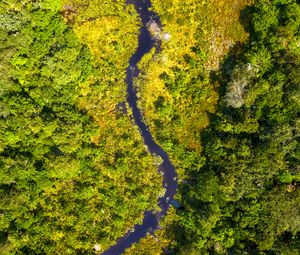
column 151, row 220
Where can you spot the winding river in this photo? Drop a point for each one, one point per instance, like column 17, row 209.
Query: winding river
column 151, row 220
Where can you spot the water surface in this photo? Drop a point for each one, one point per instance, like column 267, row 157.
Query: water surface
column 151, row 220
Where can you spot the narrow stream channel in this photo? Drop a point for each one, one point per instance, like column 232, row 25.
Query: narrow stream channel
column 151, row 220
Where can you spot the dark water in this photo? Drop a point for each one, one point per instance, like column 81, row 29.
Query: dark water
column 151, row 220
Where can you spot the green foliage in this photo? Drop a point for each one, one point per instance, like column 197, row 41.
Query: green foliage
column 245, row 199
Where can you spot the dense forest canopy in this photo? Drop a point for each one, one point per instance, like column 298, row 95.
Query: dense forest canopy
column 222, row 98
column 247, row 192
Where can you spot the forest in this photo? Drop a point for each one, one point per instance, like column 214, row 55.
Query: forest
column 222, row 98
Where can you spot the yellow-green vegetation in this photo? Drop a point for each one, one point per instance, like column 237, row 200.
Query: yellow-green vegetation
column 175, row 91
column 150, row 245
column 158, row 243
column 74, row 170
